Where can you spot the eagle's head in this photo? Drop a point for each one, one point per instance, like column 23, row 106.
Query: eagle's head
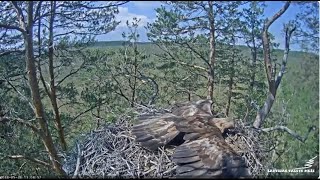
column 224, row 124
column 204, row 106
column 201, row 107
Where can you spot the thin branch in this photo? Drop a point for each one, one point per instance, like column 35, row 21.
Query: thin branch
column 5, row 119
column 292, row 133
column 76, row 172
column 10, row 52
column 44, row 83
column 30, row 159
column 89, row 109
column 193, row 66
column 42, row 16
column 20, row 17
column 63, row 34
column 18, row 9
column 11, row 27
column 285, row 56
column 71, row 73
column 200, row 55
column 119, row 84
column 180, row 62
column 108, row 6
column 190, row 65
column 72, row 103
column 39, row 59
column 99, row 7
column 23, row 97
column 37, row 14
column 155, row 87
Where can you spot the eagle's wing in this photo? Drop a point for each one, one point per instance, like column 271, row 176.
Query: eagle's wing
column 209, row 157
column 205, row 152
column 155, row 131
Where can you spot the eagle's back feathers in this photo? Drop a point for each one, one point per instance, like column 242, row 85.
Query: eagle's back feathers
column 204, row 152
column 156, row 131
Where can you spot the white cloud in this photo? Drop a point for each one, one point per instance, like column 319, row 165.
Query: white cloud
column 117, row 35
column 146, row 4
column 124, row 16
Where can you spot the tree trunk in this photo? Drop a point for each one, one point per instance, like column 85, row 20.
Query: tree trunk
column 99, row 110
column 135, row 69
column 264, row 111
column 229, row 96
column 35, row 93
column 270, row 72
column 254, row 60
column 53, row 96
column 231, row 77
column 212, row 52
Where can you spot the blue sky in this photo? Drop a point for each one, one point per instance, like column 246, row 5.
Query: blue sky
column 145, row 11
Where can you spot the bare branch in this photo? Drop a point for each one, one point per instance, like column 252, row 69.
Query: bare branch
column 21, row 121
column 113, row 76
column 11, row 27
column 186, row 64
column 37, row 14
column 63, row 34
column 78, row 161
column 71, row 103
column 273, row 85
column 71, row 73
column 292, row 133
column 201, row 56
column 266, row 46
column 20, row 16
column 285, row 56
column 155, row 87
column 99, row 7
column 30, row 159
column 23, row 96
column 263, row 112
column 10, row 52
column 179, row 62
column 277, row 15
column 44, row 83
column 103, row 7
column 89, row 109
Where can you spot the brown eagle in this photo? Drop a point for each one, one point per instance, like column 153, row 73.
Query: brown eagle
column 202, row 150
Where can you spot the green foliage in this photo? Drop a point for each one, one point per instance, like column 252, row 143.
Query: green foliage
column 297, row 107
column 108, row 78
column 307, row 34
column 96, row 81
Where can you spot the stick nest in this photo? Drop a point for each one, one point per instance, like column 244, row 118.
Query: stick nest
column 111, row 151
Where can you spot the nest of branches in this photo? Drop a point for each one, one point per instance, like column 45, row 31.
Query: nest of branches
column 245, row 141
column 111, row 151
